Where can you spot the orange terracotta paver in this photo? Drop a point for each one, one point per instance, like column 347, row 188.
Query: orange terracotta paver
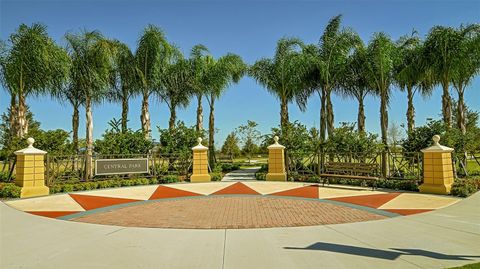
column 223, row 212
column 89, row 202
column 237, row 188
column 167, row 192
column 373, row 200
column 52, row 214
column 305, row 192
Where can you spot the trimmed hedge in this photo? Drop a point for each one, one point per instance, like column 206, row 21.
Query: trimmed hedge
column 9, row 190
column 465, row 187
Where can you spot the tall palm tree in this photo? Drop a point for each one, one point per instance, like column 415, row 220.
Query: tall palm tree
column 466, row 65
column 283, row 74
column 176, row 85
column 13, row 98
column 219, row 75
column 329, row 61
column 199, row 56
column 33, row 65
column 151, row 59
column 124, row 79
column 92, row 65
column 382, row 56
column 354, row 83
column 412, row 74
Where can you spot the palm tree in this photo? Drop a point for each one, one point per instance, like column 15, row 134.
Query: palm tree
column 466, row 66
column 380, row 64
column 354, row 83
column 283, row 74
column 412, row 74
column 92, row 65
column 219, row 75
column 176, row 85
column 124, row 79
column 33, row 65
column 13, row 98
column 329, row 62
column 199, row 57
column 151, row 59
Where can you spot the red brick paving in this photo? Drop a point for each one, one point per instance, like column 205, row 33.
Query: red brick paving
column 52, row 214
column 372, row 200
column 89, row 202
column 237, row 188
column 221, row 212
column 167, row 192
column 406, row 212
column 306, row 192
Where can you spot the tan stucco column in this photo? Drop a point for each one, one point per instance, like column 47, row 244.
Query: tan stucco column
column 276, row 162
column 200, row 163
column 437, row 168
column 30, row 171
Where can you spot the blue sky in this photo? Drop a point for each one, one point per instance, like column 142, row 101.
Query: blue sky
column 247, row 28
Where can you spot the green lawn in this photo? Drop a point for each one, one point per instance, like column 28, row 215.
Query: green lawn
column 468, row 266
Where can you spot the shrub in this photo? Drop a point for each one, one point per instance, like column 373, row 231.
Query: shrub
column 465, row 187
column 168, row 179
column 260, row 175
column 9, row 190
column 216, row 176
column 227, row 167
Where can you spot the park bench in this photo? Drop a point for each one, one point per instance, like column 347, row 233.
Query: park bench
column 360, row 171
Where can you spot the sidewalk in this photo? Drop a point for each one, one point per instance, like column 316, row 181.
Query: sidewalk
column 443, row 238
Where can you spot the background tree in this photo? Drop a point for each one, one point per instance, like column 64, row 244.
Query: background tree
column 354, row 83
column 230, row 146
column 151, row 59
column 220, row 74
column 199, row 59
column 249, row 136
column 176, row 85
column 12, row 109
column 328, row 62
column 466, row 65
column 381, row 59
column 283, row 75
column 124, row 79
column 33, row 65
column 92, row 66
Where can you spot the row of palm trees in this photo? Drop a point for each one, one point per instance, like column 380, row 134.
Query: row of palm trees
column 93, row 68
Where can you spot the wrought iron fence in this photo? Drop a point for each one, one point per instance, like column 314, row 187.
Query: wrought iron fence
column 71, row 168
column 466, row 163
column 301, row 164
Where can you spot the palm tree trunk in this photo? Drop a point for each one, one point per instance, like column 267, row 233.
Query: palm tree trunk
column 124, row 113
column 384, row 129
column 145, row 116
column 329, row 112
column 75, row 124
column 461, row 112
column 173, row 117
column 12, row 113
column 410, row 110
column 361, row 116
column 89, row 138
column 199, row 113
column 211, row 133
column 283, row 112
column 21, row 119
column 323, row 119
column 446, row 105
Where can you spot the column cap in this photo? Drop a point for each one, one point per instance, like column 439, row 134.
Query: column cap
column 276, row 145
column 436, row 147
column 30, row 150
column 199, row 146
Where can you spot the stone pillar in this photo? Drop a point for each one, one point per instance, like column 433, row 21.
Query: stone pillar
column 30, row 171
column 437, row 168
column 200, row 163
column 276, row 162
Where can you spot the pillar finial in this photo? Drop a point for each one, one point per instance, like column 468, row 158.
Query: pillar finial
column 436, row 139
column 30, row 142
column 275, row 138
column 199, row 140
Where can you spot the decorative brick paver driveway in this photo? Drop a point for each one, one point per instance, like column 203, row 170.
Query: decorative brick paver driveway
column 224, row 212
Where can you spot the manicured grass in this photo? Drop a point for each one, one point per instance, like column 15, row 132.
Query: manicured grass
column 468, row 266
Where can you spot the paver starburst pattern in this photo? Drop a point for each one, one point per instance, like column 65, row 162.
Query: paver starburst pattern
column 230, row 205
